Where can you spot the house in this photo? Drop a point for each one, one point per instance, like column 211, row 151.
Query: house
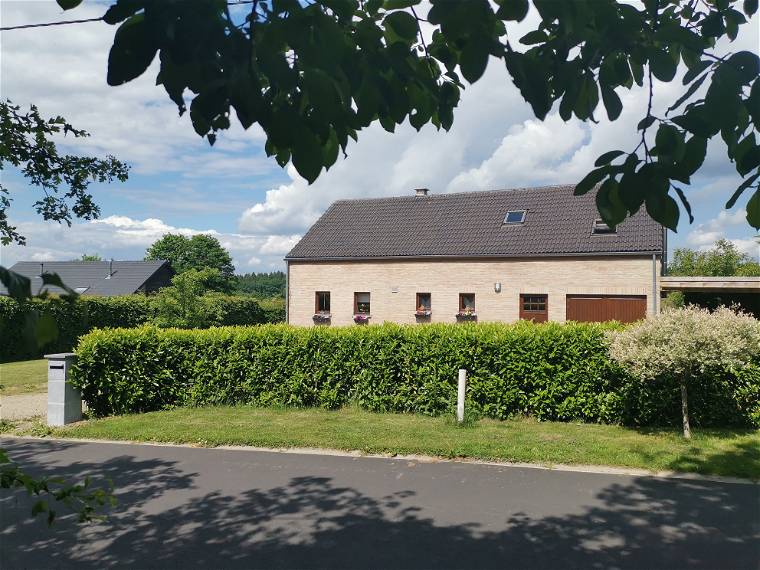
column 101, row 278
column 529, row 253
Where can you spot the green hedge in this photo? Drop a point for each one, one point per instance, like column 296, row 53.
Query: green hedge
column 76, row 318
column 549, row 371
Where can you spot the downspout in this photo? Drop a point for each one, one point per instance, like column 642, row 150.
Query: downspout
column 287, row 292
column 654, row 284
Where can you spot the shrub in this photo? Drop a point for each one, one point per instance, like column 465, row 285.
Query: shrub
column 688, row 345
column 76, row 318
column 674, row 300
column 182, row 305
column 549, row 371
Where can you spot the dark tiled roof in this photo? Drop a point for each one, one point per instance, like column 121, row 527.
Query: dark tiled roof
column 470, row 224
column 127, row 278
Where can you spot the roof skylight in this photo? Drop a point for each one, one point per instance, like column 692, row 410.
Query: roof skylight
column 601, row 228
column 514, row 217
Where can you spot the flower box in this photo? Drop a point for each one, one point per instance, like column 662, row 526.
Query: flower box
column 322, row 317
column 466, row 316
column 422, row 314
column 361, row 319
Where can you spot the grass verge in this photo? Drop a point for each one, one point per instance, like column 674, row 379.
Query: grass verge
column 25, row 377
column 713, row 452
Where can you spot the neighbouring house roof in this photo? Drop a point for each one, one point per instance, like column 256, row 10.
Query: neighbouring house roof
column 91, row 277
column 472, row 225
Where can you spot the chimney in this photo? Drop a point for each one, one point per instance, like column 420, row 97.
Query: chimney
column 110, row 268
column 42, row 269
column 421, row 191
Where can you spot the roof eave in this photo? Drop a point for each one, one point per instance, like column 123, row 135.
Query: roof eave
column 639, row 253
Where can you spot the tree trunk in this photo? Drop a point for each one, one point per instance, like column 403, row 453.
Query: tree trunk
column 685, row 410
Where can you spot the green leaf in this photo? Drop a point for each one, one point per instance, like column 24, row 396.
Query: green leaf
column 695, row 70
column 698, row 122
column 403, row 24
column 693, row 157
column 588, row 98
column 474, row 58
column 55, row 280
column 330, row 150
column 663, row 209
column 18, row 286
column 608, row 157
column 307, row 155
column 514, row 10
column 750, row 7
column 608, row 203
column 689, row 92
column 122, row 10
column 612, row 103
column 740, row 190
column 132, row 51
column 662, row 65
column 749, row 160
column 399, row 4
column 753, row 103
column 589, row 181
column 667, row 139
column 685, row 202
column 646, row 122
column 529, row 78
column 534, row 37
column 68, row 4
column 753, row 210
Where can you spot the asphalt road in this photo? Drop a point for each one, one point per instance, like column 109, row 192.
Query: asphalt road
column 215, row 508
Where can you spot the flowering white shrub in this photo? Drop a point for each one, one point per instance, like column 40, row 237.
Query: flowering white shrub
column 685, row 343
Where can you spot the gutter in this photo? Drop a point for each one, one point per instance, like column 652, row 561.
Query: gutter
column 287, row 291
column 489, row 256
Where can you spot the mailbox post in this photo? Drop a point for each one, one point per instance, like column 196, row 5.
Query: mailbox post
column 64, row 401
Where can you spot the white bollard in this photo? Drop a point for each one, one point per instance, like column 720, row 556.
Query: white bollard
column 460, row 394
column 64, row 401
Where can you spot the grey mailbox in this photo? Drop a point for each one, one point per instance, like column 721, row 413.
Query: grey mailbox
column 64, row 401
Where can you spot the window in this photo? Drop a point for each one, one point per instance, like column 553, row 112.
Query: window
column 361, row 303
column 600, row 228
column 423, row 302
column 322, row 302
column 533, row 303
column 466, row 302
column 515, row 217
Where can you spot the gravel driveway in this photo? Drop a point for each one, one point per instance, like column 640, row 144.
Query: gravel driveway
column 23, row 406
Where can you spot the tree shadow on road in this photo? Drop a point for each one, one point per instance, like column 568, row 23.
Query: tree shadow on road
column 312, row 521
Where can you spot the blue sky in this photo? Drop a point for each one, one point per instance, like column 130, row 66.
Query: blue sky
column 258, row 210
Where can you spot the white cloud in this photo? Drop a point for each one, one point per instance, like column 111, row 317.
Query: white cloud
column 63, row 71
column 279, row 245
column 724, row 226
column 122, row 237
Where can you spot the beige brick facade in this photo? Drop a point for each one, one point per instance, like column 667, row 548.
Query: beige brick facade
column 393, row 285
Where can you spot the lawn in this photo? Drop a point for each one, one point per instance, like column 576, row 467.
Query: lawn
column 715, row 452
column 23, row 377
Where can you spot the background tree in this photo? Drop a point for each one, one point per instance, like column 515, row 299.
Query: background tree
column 685, row 344
column 198, row 252
column 261, row 284
column 723, row 260
column 182, row 305
column 90, row 257
column 26, row 142
column 313, row 74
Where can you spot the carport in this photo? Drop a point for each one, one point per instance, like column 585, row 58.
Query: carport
column 712, row 292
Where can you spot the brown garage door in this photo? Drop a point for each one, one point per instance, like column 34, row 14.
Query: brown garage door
column 599, row 308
